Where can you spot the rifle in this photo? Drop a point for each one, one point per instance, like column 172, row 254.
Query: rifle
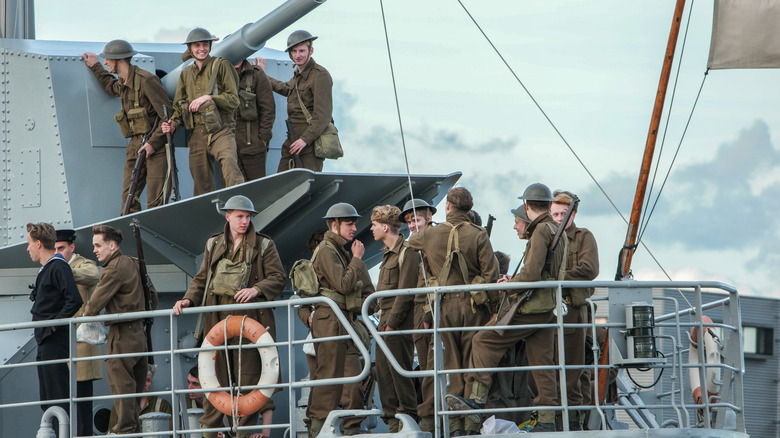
column 173, row 171
column 489, row 227
column 139, row 162
column 146, row 283
column 296, row 157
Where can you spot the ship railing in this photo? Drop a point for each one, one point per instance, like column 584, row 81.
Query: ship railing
column 644, row 414
column 288, row 351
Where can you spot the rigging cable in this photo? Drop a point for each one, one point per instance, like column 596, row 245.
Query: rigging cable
column 538, row 106
column 643, row 223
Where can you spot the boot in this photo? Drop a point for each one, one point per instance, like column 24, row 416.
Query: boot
column 393, row 425
column 574, row 420
column 471, row 427
column 546, row 422
column 208, row 434
column 427, row 424
column 458, row 403
column 315, row 425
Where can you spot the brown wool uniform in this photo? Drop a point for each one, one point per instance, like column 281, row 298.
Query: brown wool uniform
column 268, row 277
column 581, row 265
column 456, row 309
column 120, row 291
column 336, row 358
column 316, row 88
column 396, row 392
column 252, row 137
column 422, row 341
column 490, row 346
column 86, row 275
column 221, row 145
column 152, row 97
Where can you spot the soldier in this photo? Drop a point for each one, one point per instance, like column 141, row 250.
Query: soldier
column 489, row 345
column 461, row 309
column 239, row 243
column 54, row 296
column 582, row 265
column 120, row 290
column 397, row 271
column 143, row 98
column 86, row 275
column 309, row 95
column 344, row 279
column 254, row 119
column 205, row 102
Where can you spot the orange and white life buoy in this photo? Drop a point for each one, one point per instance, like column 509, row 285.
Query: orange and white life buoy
column 254, row 331
column 712, row 355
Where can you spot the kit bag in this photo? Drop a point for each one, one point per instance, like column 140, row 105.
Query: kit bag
column 327, row 145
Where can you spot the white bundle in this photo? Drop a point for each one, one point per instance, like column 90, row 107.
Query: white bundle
column 91, row 333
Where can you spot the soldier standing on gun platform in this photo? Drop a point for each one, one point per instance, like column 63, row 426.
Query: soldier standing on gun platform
column 217, row 284
column 582, row 265
column 86, row 275
column 398, row 271
column 143, row 98
column 120, row 290
column 311, row 88
column 254, row 119
column 205, row 102
column 54, row 296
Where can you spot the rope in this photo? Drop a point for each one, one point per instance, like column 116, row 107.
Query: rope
column 401, row 128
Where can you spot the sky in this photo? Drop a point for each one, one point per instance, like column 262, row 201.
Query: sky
column 592, row 65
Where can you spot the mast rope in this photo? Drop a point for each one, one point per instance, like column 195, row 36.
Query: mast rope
column 571, row 149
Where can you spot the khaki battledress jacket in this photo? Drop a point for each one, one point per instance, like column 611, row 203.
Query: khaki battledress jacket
column 119, row 290
column 267, row 277
column 394, row 274
column 331, row 272
column 316, row 89
column 86, row 275
column 151, row 96
column 193, row 83
column 583, row 261
column 536, row 251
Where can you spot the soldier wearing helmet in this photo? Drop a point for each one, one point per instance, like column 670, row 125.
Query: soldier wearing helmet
column 216, row 284
column 343, row 277
column 311, row 88
column 142, row 100
column 205, row 102
column 490, row 346
column 456, row 252
column 582, row 264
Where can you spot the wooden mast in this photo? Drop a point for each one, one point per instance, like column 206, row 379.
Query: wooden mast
column 629, row 247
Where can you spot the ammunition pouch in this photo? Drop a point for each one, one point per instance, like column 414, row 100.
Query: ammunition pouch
column 211, row 117
column 304, row 279
column 230, row 277
column 478, row 297
column 121, row 119
column 247, row 105
column 186, row 115
column 578, row 296
column 138, row 121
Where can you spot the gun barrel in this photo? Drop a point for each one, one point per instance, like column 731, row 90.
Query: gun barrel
column 250, row 38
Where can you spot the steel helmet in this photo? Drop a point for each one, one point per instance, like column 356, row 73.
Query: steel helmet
column 342, row 210
column 117, row 49
column 537, row 192
column 199, row 34
column 298, row 37
column 239, row 202
column 413, row 204
column 520, row 213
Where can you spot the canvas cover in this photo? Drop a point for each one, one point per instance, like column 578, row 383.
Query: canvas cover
column 745, row 34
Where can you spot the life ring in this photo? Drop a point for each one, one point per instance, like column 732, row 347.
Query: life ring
column 712, row 355
column 254, row 331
